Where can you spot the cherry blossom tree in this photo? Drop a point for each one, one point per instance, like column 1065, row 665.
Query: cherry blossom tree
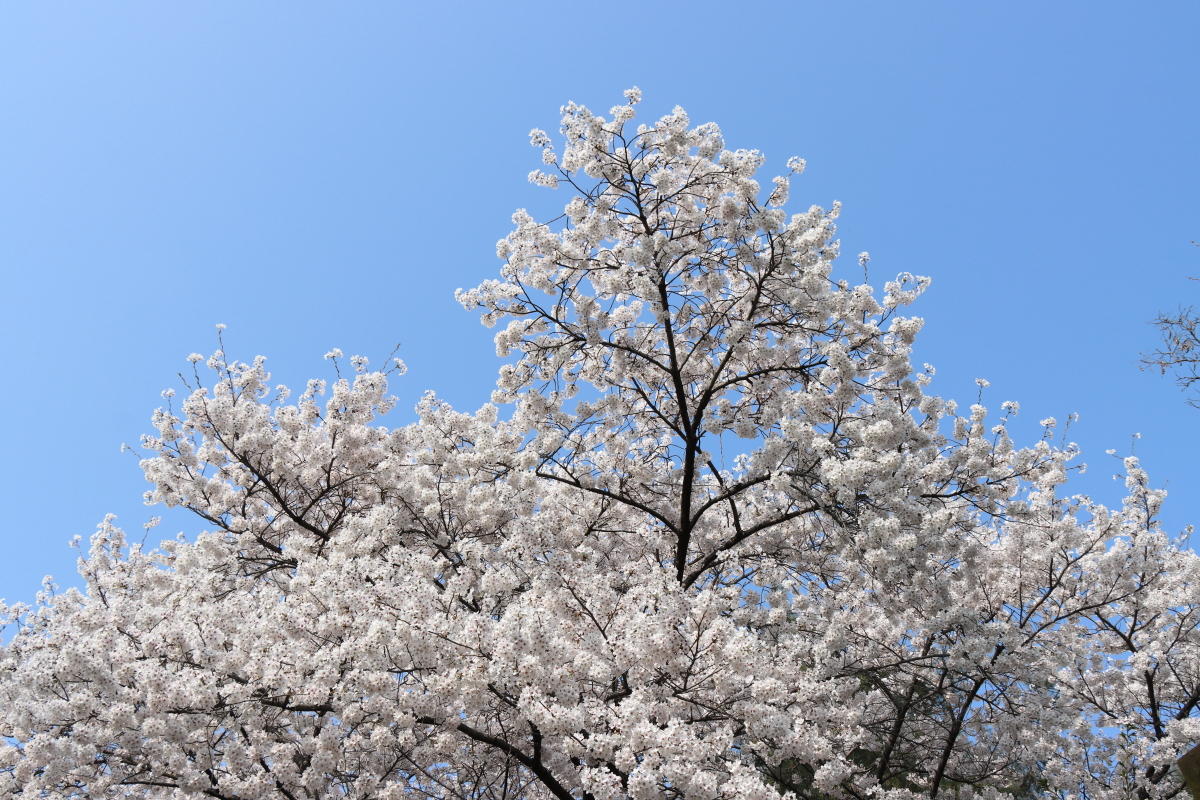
column 1180, row 350
column 721, row 543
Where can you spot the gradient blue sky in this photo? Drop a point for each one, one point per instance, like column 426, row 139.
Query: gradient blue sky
column 320, row 175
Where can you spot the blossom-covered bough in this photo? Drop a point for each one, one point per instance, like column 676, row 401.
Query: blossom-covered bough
column 722, row 545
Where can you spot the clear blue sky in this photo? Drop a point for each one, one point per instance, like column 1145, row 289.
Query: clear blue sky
column 320, row 175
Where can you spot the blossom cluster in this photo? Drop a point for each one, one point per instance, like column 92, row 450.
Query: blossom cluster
column 724, row 545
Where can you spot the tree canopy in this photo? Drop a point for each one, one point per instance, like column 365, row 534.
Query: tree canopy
column 722, row 542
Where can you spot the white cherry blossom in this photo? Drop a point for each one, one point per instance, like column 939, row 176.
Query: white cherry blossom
column 713, row 539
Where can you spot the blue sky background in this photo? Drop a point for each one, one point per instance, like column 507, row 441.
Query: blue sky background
column 320, row 175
